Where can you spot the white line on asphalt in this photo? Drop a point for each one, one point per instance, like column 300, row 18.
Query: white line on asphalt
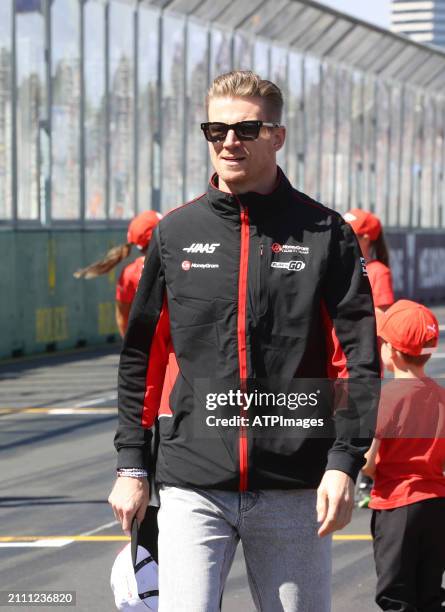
column 56, row 411
column 59, row 542
column 98, row 400
column 441, row 327
column 437, row 355
column 37, row 544
column 80, row 411
column 101, row 528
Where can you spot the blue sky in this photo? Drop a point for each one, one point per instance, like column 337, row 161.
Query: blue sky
column 377, row 11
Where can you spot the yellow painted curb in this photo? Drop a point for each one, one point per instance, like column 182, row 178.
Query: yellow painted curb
column 124, row 538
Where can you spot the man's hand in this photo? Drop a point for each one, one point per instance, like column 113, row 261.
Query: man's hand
column 129, row 498
column 335, row 501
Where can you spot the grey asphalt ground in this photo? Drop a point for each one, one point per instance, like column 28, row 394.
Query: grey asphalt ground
column 57, row 469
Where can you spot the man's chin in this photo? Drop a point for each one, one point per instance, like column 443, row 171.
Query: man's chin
column 233, row 175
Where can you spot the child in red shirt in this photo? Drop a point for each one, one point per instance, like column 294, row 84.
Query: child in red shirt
column 407, row 459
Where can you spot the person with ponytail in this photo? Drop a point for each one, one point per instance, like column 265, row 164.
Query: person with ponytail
column 139, row 234
column 368, row 230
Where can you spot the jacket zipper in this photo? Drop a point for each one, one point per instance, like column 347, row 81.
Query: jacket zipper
column 242, row 348
column 260, row 301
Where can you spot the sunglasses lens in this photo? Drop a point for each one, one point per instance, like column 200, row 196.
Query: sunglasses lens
column 248, row 130
column 216, row 132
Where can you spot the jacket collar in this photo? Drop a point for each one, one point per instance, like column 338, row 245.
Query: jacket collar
column 228, row 205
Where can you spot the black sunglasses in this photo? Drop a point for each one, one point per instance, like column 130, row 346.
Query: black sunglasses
column 245, row 130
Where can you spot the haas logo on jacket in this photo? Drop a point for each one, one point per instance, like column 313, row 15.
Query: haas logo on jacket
column 199, row 247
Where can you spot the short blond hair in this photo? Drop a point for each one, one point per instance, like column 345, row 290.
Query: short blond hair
column 247, row 84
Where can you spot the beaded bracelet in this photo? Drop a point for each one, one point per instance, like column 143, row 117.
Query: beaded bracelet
column 132, row 472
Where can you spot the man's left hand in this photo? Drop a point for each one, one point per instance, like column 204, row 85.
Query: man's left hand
column 335, row 501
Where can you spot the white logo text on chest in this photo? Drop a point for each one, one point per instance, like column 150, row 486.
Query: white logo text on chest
column 200, row 247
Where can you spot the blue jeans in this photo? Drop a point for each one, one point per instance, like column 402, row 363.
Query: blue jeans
column 288, row 565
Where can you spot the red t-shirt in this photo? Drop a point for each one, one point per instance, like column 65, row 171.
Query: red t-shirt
column 380, row 280
column 129, row 280
column 411, row 457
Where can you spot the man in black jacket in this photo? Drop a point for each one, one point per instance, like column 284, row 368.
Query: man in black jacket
column 250, row 292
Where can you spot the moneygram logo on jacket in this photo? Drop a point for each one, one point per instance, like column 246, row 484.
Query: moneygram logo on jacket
column 272, row 288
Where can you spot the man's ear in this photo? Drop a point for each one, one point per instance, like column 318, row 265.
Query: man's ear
column 279, row 136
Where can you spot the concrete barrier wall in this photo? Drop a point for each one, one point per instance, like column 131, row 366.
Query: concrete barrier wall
column 42, row 306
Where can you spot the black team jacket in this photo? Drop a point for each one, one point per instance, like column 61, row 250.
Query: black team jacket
column 239, row 289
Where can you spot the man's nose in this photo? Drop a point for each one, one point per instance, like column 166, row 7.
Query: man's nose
column 231, row 138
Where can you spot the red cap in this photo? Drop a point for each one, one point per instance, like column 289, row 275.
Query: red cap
column 364, row 222
column 408, row 326
column 141, row 228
